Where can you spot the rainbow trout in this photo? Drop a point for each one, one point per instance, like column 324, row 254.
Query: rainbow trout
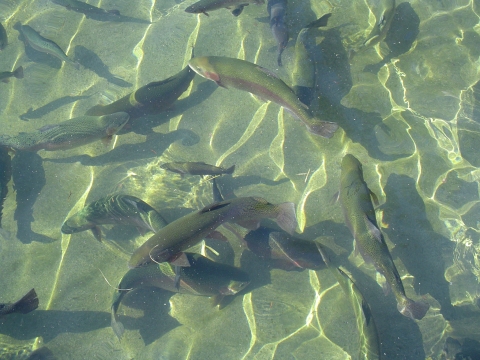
column 202, row 6
column 244, row 75
column 39, row 43
column 68, row 134
column 25, row 305
column 6, row 75
column 5, row 176
column 355, row 197
column 169, row 243
column 196, row 168
column 203, row 277
column 115, row 209
column 3, row 37
column 149, row 99
column 84, row 8
column 380, row 29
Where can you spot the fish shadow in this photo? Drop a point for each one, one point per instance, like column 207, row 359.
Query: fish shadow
column 92, row 61
column 153, row 147
column 51, row 106
column 28, row 181
column 400, row 37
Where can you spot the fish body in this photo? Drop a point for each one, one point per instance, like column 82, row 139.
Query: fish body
column 149, row 99
column 203, row 278
column 84, row 8
column 5, row 176
column 169, row 243
column 6, row 75
column 380, row 29
column 244, row 75
column 3, row 37
column 68, row 134
column 203, row 6
column 25, row 305
column 303, row 75
column 115, row 209
column 196, row 168
column 39, row 43
column 355, row 197
column 277, row 11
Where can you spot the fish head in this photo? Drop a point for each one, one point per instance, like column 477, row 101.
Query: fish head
column 196, row 8
column 203, row 67
column 115, row 122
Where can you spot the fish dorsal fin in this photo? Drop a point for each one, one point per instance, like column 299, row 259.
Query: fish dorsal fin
column 373, row 229
column 213, row 207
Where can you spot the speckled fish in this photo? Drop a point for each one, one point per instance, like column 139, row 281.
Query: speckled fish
column 367, row 329
column 84, row 8
column 25, row 305
column 169, row 243
column 303, row 75
column 355, row 197
column 3, row 37
column 5, row 176
column 203, row 277
column 6, row 75
column 380, row 29
column 244, row 75
column 39, row 43
column 196, row 168
column 277, row 10
column 115, row 209
column 68, row 134
column 149, row 99
column 203, row 6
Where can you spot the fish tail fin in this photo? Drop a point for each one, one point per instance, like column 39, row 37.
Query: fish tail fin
column 26, row 304
column 323, row 21
column 286, row 217
column 230, row 170
column 18, row 73
column 325, row 129
column 413, row 309
column 117, row 326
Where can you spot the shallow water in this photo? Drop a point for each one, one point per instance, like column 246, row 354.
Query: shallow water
column 408, row 108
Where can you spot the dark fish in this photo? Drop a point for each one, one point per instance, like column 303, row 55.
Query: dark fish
column 355, row 197
column 196, row 168
column 169, row 243
column 203, row 6
column 277, row 10
column 6, row 75
column 244, row 75
column 84, row 8
column 39, row 43
column 115, row 209
column 3, row 37
column 68, row 134
column 380, row 29
column 149, row 99
column 303, row 75
column 5, row 176
column 203, row 277
column 25, row 305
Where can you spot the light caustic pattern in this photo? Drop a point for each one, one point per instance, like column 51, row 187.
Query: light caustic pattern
column 412, row 121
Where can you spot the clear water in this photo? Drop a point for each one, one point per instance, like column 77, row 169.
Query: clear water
column 408, row 108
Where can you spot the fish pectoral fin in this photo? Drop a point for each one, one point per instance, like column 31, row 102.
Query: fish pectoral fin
column 205, row 13
column 217, row 235
column 177, row 277
column 107, row 140
column 374, row 230
column 180, row 260
column 374, row 197
column 335, row 198
column 217, row 300
column 383, row 282
column 97, row 232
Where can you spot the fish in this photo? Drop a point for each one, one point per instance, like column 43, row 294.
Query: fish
column 3, row 37
column 6, row 75
column 84, row 8
column 356, row 200
column 196, row 168
column 115, row 209
column 367, row 329
column 303, row 75
column 277, row 10
column 243, row 75
column 26, row 304
column 380, row 29
column 39, row 43
column 169, row 243
column 5, row 176
column 68, row 134
column 149, row 99
column 202, row 6
column 203, row 277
